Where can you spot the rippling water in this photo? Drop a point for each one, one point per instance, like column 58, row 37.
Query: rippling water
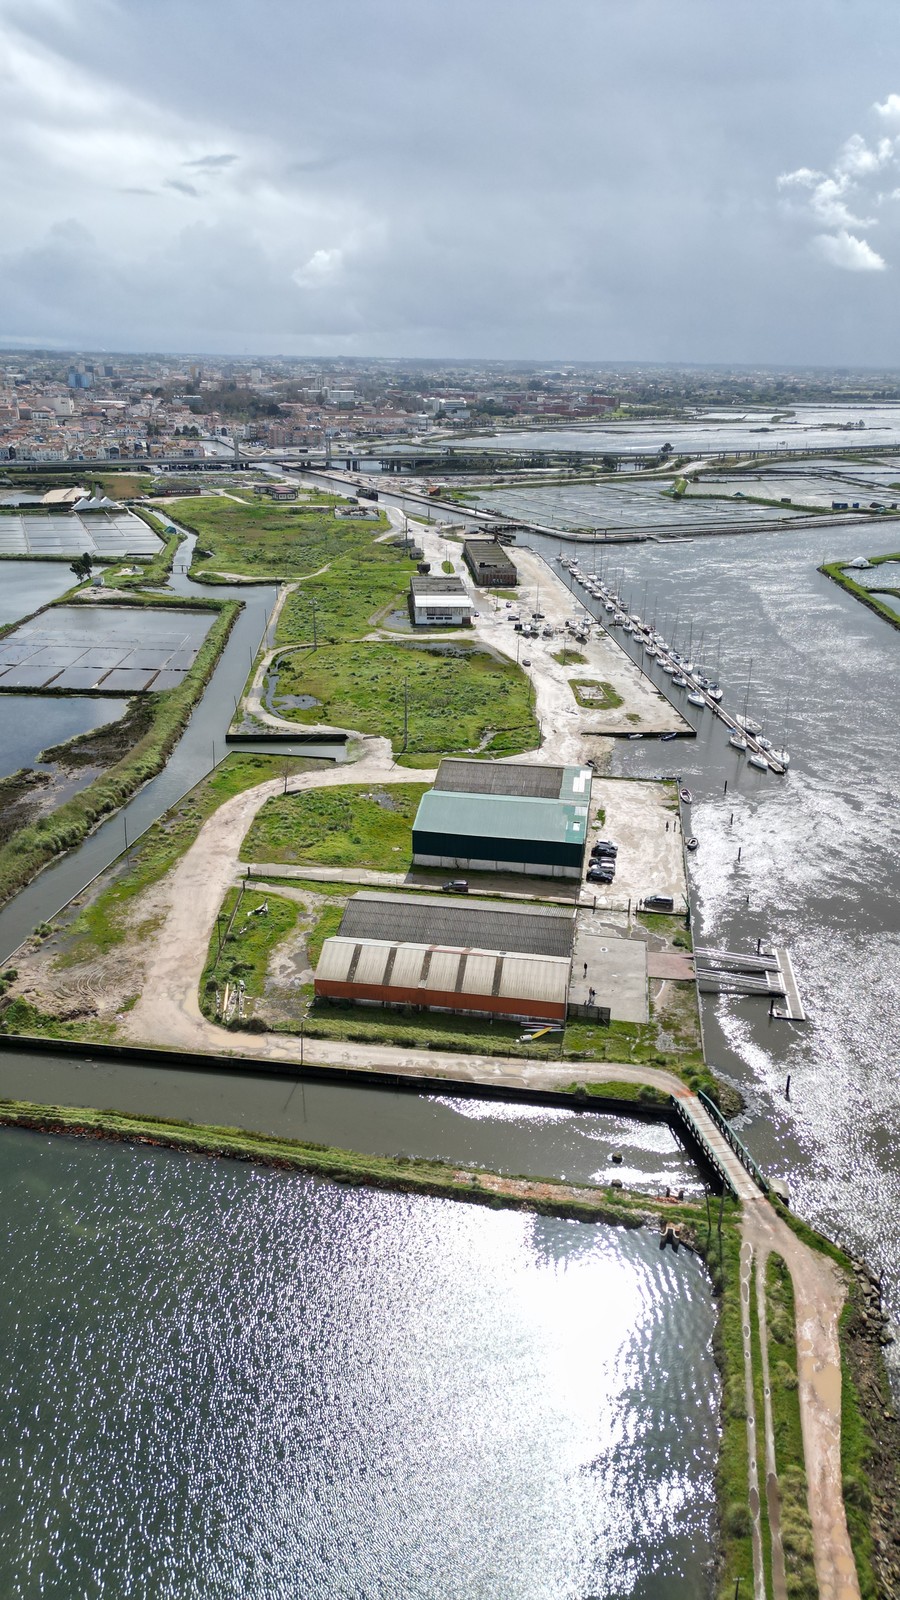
column 819, row 868
column 222, row 1381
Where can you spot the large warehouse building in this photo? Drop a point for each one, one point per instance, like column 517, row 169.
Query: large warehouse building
column 504, row 817
column 490, row 959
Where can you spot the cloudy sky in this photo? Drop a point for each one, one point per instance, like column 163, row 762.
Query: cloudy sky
column 694, row 180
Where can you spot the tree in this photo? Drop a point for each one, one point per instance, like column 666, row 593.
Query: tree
column 82, row 566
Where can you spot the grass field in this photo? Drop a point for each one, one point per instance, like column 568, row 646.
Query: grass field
column 271, row 541
column 104, row 923
column 359, row 589
column 251, row 924
column 594, row 694
column 460, row 698
column 342, row 827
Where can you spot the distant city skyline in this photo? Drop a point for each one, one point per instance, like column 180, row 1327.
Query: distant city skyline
column 633, row 185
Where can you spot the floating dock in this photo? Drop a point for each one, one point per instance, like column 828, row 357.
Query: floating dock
column 769, row 973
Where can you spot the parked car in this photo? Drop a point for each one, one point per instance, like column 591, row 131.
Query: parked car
column 456, row 886
column 604, row 847
column 599, row 875
column 658, row 902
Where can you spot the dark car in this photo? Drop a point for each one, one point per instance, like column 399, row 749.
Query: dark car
column 604, row 847
column 599, row 875
column 456, row 886
column 659, row 902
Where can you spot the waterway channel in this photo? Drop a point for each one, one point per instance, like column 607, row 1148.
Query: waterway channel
column 810, row 861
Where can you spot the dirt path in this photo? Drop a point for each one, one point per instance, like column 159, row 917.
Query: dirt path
column 819, row 1295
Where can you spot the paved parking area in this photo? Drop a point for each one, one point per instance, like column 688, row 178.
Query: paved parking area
column 637, row 816
column 616, row 969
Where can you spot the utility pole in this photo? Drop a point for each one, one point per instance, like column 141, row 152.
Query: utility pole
column 405, row 712
column 314, row 605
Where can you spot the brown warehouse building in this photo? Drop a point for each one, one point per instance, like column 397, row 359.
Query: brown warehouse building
column 480, row 959
column 489, row 564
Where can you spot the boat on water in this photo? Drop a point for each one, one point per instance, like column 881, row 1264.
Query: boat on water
column 759, row 761
column 665, row 737
column 748, row 724
column 696, row 699
column 691, row 843
column 715, row 694
column 737, row 741
column 635, row 736
column 680, row 680
column 782, row 757
column 686, row 796
column 764, row 744
column 668, row 667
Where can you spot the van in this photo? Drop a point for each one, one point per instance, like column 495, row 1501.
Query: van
column 659, row 902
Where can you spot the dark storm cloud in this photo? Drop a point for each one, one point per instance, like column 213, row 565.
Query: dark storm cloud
column 591, row 180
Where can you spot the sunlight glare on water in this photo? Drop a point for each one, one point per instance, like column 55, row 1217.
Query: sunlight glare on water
column 222, row 1381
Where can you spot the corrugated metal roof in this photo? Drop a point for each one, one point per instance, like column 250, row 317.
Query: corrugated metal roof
column 445, row 970
column 484, row 925
column 408, row 963
column 536, row 782
column 438, row 583
column 495, row 816
column 480, row 972
column 498, row 777
column 538, row 979
column 335, row 959
column 371, row 961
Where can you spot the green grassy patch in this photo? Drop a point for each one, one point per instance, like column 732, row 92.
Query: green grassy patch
column 569, row 658
column 250, row 924
column 266, row 541
column 347, row 826
column 105, row 922
column 404, row 1173
column 123, row 485
column 357, row 593
column 838, row 574
column 642, row 1094
column 796, row 1527
column 736, row 1549
column 455, row 697
column 594, row 694
column 325, row 927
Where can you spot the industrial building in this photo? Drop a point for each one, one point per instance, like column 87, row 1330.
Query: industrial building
column 490, row 959
column 504, row 817
column 490, row 564
column 439, row 600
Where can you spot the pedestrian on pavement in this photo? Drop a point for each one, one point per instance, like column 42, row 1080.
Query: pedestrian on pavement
column 585, row 969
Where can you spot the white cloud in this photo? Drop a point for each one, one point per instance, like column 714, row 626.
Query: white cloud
column 803, row 178
column 845, row 250
column 321, row 266
column 889, row 108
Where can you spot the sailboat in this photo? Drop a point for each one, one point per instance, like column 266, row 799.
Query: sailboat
column 736, row 739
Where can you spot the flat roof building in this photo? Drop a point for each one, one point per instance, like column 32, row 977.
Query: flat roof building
column 488, row 924
column 490, row 564
column 535, row 821
column 439, row 600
